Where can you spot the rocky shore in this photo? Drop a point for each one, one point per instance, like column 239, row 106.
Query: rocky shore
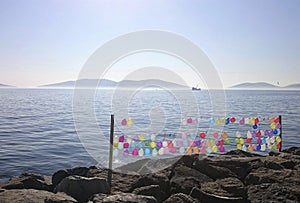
column 233, row 177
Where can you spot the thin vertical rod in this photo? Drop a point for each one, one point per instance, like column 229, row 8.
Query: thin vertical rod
column 109, row 174
column 280, row 134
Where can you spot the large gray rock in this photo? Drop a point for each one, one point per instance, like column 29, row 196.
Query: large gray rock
column 271, row 193
column 185, row 178
column 153, row 179
column 34, row 196
column 29, row 181
column 61, row 174
column 293, row 150
column 82, row 188
column 227, row 187
column 215, row 172
column 123, row 198
column 152, row 190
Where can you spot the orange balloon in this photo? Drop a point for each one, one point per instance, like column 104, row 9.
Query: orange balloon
column 189, row 151
column 196, row 150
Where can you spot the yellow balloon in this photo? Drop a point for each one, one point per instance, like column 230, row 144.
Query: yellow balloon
column 252, row 121
column 218, row 121
column 142, row 138
column 273, row 126
column 153, row 145
column 215, row 149
column 242, row 141
column 129, row 122
column 278, row 139
column 239, row 147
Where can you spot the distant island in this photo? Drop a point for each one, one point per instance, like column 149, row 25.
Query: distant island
column 263, row 85
column 3, row 85
column 105, row 83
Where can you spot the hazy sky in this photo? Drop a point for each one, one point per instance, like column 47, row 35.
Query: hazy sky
column 49, row 41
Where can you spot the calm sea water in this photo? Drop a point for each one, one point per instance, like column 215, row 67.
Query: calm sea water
column 38, row 134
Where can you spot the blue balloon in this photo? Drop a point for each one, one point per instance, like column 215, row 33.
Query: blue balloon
column 258, row 147
column 255, row 126
column 227, row 121
column 275, row 131
column 212, row 121
column 263, row 140
column 147, row 151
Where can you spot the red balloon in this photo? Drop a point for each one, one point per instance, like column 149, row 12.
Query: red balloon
column 248, row 140
column 258, row 133
column 232, row 120
column 202, row 135
column 256, row 121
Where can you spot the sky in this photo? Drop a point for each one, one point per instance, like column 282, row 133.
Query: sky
column 49, row 41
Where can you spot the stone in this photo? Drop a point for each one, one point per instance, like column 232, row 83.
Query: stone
column 152, row 190
column 153, row 179
column 215, row 172
column 268, row 192
column 227, row 187
column 81, row 188
column 265, row 175
column 241, row 153
column 185, row 178
column 123, row 198
column 59, row 176
column 29, row 181
column 180, row 198
column 293, row 150
column 34, row 196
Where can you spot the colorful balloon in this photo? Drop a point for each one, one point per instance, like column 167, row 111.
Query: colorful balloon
column 273, row 126
column 126, row 145
column 190, row 120
column 153, row 144
column 212, row 121
column 124, row 122
column 242, row 121
column 154, row 152
column 129, row 122
column 135, row 152
column 126, row 152
column 202, row 135
column 224, row 135
column 232, row 120
column 239, row 146
column 181, row 150
column 216, row 135
column 238, row 134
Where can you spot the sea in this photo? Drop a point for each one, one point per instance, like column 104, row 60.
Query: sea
column 44, row 130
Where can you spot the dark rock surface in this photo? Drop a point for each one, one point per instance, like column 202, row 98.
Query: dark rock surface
column 233, row 177
column 81, row 188
column 34, row 196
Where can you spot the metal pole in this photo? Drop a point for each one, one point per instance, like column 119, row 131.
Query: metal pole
column 111, row 140
column 280, row 135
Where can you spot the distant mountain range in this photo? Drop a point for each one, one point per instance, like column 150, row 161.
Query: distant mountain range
column 2, row 85
column 85, row 83
column 263, row 85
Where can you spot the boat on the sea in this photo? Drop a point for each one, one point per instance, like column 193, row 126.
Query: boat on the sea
column 196, row 88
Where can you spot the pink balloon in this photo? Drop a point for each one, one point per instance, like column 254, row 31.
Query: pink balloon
column 124, row 122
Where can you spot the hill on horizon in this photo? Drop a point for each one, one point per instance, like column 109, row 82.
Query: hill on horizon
column 255, row 85
column 263, row 85
column 4, row 85
column 111, row 83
